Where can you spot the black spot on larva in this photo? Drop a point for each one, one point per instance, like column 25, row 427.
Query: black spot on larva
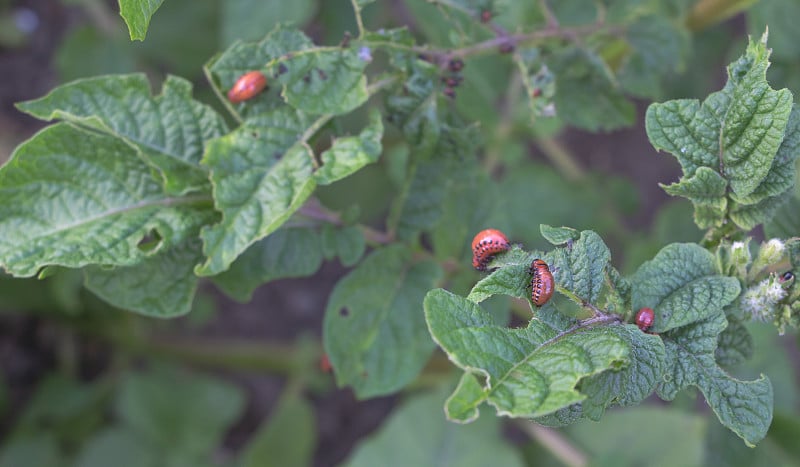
column 344, row 312
column 307, row 79
column 282, row 69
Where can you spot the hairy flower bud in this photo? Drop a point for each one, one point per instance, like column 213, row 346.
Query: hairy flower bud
column 770, row 253
column 760, row 300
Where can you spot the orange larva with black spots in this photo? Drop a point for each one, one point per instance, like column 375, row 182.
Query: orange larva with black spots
column 542, row 283
column 485, row 245
column 645, row 318
column 247, row 86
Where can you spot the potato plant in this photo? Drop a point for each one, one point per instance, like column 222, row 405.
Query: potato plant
column 385, row 145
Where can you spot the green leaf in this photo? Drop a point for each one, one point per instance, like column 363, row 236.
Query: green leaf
column 404, row 441
column 248, row 19
column 781, row 175
column 287, row 438
column 460, row 406
column 421, row 202
column 734, row 345
column 738, row 134
column 580, row 268
column 748, row 216
column 137, row 14
column 466, row 209
column 374, row 331
column 694, row 301
column 527, row 372
column 659, row 45
column 74, row 198
column 286, row 253
column 71, row 410
column 680, row 284
column 34, row 450
column 348, row 243
column 706, row 189
column 415, row 109
column 182, row 413
column 586, row 96
column 744, row 407
column 119, row 447
column 161, row 286
column 322, row 80
column 632, row 384
column 512, row 277
column 663, row 436
column 261, row 175
column 168, row 130
column 347, row 155
column 559, row 235
column 316, row 80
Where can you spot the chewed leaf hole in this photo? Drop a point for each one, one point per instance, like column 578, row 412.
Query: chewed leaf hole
column 150, row 242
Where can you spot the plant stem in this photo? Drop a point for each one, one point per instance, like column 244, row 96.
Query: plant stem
column 554, row 442
column 561, row 158
column 359, row 19
column 548, row 32
column 228, row 354
column 217, row 353
column 705, row 13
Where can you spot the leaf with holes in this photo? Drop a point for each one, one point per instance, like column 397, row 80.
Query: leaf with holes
column 74, row 198
column 316, row 80
column 374, row 329
column 168, row 130
column 161, row 286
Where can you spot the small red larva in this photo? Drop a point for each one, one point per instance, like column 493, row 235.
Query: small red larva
column 485, row 245
column 325, row 363
column 247, row 86
column 644, row 319
column 542, row 283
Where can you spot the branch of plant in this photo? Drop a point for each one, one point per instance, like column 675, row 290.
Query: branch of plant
column 554, row 442
column 359, row 19
column 443, row 57
column 313, row 209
